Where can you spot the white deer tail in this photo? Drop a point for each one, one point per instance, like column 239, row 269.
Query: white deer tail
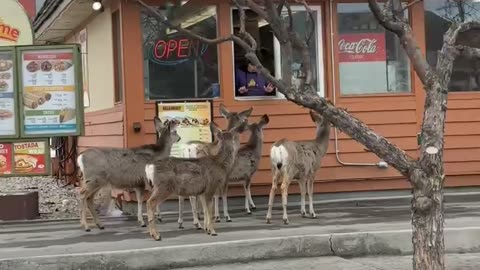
column 278, row 156
column 149, row 172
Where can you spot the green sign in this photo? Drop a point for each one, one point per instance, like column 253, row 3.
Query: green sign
column 51, row 91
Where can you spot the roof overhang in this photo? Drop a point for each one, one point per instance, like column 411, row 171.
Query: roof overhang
column 63, row 20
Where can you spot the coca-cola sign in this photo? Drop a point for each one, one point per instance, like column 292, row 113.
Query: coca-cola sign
column 364, row 47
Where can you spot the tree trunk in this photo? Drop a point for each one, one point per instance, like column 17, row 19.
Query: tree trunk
column 427, row 222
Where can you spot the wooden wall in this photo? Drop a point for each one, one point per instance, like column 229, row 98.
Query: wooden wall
column 103, row 128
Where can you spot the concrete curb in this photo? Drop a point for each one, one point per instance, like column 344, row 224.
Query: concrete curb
column 457, row 240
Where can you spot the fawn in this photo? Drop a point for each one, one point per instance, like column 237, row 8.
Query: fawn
column 121, row 168
column 298, row 160
column 193, row 177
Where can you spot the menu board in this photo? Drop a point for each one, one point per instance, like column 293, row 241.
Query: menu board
column 49, row 92
column 5, row 158
column 7, row 95
column 30, row 157
column 194, row 122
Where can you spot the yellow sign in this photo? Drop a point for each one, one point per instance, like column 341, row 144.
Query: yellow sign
column 15, row 27
column 193, row 119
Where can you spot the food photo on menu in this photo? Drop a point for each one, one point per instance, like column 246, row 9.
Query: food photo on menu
column 49, row 91
column 7, row 95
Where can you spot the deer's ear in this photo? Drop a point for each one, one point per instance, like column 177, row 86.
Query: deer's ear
column 223, row 111
column 316, row 117
column 264, row 120
column 246, row 113
column 214, row 128
column 158, row 124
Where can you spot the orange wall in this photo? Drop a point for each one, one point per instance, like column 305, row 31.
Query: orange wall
column 396, row 117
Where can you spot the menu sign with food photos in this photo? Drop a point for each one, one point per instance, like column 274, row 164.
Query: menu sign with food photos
column 30, row 158
column 5, row 159
column 7, row 94
column 50, row 92
column 193, row 119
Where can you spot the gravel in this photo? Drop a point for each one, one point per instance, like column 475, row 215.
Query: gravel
column 55, row 201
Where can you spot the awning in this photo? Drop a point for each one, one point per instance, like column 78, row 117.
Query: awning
column 58, row 18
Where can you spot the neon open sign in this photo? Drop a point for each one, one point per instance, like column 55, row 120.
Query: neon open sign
column 177, row 51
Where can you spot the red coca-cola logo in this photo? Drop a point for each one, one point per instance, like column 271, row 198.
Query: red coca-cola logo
column 365, row 47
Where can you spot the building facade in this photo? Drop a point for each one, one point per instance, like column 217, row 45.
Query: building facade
column 131, row 60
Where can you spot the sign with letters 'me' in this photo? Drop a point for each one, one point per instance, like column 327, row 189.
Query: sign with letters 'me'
column 15, row 27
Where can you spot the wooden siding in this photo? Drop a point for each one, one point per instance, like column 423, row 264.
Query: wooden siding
column 103, row 128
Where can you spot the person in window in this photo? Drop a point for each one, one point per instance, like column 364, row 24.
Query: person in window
column 249, row 82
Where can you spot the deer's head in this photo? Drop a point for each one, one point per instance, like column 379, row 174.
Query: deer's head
column 258, row 126
column 166, row 130
column 234, row 118
column 229, row 137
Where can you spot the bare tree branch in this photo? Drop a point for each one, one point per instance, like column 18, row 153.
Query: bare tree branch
column 382, row 17
column 414, row 2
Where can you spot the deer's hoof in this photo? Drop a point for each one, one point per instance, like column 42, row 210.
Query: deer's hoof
column 217, row 219
column 101, row 227
column 253, row 207
column 88, row 230
column 304, row 214
column 156, row 237
column 313, row 216
column 159, row 219
column 197, row 226
column 285, row 221
column 269, row 221
column 214, row 234
column 228, row 219
column 180, row 226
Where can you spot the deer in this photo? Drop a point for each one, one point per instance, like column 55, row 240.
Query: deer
column 201, row 177
column 298, row 160
column 246, row 164
column 197, row 149
column 121, row 168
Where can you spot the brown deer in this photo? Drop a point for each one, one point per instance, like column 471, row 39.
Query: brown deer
column 193, row 177
column 121, row 168
column 197, row 149
column 246, row 164
column 298, row 161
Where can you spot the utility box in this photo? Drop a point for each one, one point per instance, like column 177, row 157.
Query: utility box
column 20, row 205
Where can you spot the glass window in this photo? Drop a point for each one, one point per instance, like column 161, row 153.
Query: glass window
column 175, row 66
column 250, row 84
column 438, row 16
column 370, row 58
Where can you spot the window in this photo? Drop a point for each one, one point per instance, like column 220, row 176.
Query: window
column 438, row 16
column 175, row 66
column 370, row 58
column 250, row 85
column 117, row 56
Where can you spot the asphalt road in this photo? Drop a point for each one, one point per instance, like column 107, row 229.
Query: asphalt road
column 453, row 261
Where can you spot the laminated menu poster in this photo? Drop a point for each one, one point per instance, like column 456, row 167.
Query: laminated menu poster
column 49, row 105
column 7, row 94
column 193, row 119
column 5, row 158
column 30, row 157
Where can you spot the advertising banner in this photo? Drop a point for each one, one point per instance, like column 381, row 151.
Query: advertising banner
column 30, row 158
column 51, row 91
column 362, row 47
column 8, row 93
column 193, row 118
column 5, row 159
column 15, row 26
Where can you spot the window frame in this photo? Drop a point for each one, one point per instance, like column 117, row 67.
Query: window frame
column 145, row 68
column 319, row 37
column 118, row 95
column 334, row 32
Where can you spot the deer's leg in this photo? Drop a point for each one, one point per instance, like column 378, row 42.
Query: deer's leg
column 139, row 195
column 94, row 213
column 87, row 192
column 310, row 196
column 284, row 188
column 225, row 204
column 301, row 184
column 272, row 196
column 211, row 229
column 157, row 198
column 206, row 218
column 180, row 212
column 193, row 204
column 217, row 212
column 250, row 194
column 159, row 213
column 247, row 205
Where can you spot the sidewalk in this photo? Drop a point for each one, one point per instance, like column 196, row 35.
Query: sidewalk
column 351, row 228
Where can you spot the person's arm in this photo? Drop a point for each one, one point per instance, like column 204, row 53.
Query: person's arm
column 239, row 83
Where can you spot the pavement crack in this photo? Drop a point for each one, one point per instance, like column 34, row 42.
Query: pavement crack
column 330, row 241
